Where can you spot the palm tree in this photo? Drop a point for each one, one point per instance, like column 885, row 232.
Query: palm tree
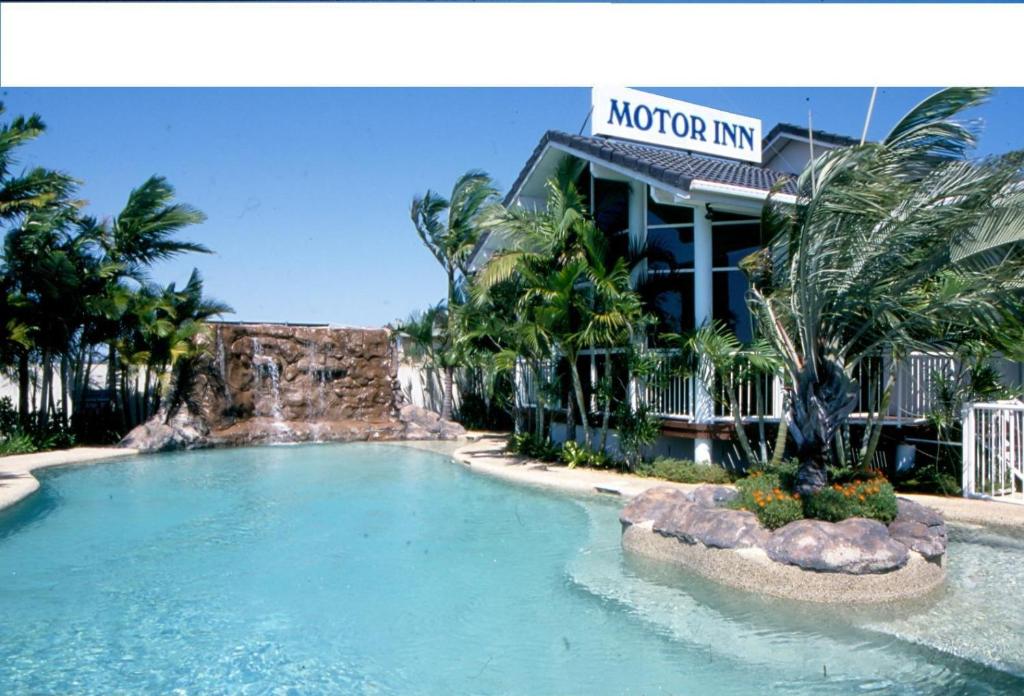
column 21, row 194
column 573, row 292
column 450, row 228
column 892, row 246
column 164, row 323
column 725, row 365
column 142, row 233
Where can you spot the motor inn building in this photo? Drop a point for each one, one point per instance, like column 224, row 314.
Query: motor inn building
column 687, row 183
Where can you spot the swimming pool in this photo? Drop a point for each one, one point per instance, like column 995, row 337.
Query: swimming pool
column 378, row 569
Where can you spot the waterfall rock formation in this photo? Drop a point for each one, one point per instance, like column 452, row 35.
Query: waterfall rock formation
column 263, row 383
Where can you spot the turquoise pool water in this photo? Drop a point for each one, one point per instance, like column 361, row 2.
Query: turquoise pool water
column 376, row 569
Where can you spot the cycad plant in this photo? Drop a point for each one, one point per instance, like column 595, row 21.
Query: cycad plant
column 891, row 246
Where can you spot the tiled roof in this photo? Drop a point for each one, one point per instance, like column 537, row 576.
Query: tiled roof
column 674, row 168
column 819, row 135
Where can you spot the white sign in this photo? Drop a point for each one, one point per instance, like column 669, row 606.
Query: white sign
column 634, row 115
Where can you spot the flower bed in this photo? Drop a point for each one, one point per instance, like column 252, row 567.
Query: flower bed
column 709, row 531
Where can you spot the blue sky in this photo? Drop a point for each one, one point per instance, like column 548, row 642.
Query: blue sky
column 307, row 191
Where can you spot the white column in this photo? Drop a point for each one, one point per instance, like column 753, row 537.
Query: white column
column 704, row 407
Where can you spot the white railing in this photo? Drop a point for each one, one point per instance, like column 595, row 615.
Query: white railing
column 669, row 394
column 993, row 448
column 666, row 392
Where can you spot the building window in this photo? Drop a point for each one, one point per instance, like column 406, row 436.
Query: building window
column 733, row 238
column 669, row 297
column 659, row 214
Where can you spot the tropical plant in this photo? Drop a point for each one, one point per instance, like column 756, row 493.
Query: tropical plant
column 451, row 228
column 70, row 285
column 638, row 430
column 574, row 295
column 891, row 246
column 725, row 366
column 685, row 471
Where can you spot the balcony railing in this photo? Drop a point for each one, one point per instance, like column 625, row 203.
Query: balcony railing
column 673, row 395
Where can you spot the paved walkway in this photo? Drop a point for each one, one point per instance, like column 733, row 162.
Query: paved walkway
column 487, row 456
column 17, row 481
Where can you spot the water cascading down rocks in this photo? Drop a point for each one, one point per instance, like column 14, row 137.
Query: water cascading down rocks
column 267, row 383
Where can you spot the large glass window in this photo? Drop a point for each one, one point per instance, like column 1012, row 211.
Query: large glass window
column 611, row 214
column 670, row 249
column 730, row 303
column 670, row 298
column 731, row 242
column 733, row 238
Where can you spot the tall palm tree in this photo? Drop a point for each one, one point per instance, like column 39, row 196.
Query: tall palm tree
column 21, row 194
column 892, row 246
column 145, row 231
column 572, row 290
column 450, row 228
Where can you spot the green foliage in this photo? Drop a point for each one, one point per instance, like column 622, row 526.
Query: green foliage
column 767, row 494
column 17, row 443
column 897, row 245
column 476, row 414
column 8, row 416
column 529, row 445
column 764, row 495
column 684, row 471
column 638, row 430
column 874, row 499
column 784, row 472
column 574, row 454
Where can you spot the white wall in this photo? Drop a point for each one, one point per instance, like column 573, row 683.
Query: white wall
column 424, row 387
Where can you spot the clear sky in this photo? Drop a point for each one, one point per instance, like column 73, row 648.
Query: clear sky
column 307, row 191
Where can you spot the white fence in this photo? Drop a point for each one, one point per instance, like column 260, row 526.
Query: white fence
column 993, row 446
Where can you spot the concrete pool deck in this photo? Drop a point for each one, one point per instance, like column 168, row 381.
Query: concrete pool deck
column 17, row 481
column 486, row 455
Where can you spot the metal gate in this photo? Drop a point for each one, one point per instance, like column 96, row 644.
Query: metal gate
column 993, row 442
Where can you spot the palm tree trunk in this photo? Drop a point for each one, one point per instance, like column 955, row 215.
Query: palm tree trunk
column 577, row 387
column 126, row 404
column 762, row 438
column 741, row 433
column 570, row 417
column 64, row 390
column 145, row 395
column 607, row 406
column 114, row 403
column 23, row 386
column 446, row 399
column 780, row 436
column 44, row 411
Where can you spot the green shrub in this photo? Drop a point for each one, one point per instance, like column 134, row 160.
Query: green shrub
column 574, row 454
column 784, row 472
column 762, row 494
column 17, row 443
column 8, row 417
column 638, row 430
column 874, row 499
column 529, row 445
column 684, row 471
